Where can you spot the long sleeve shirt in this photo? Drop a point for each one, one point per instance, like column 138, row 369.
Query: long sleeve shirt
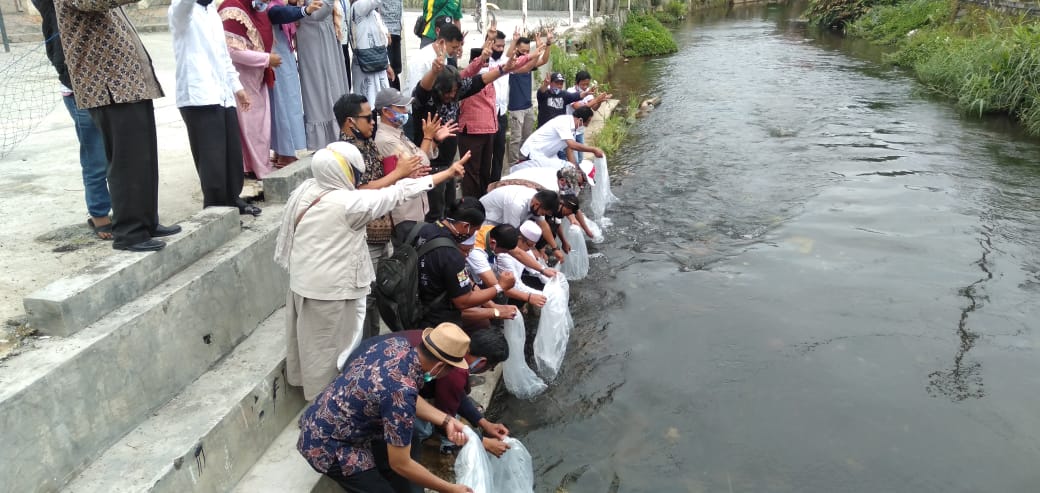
column 205, row 74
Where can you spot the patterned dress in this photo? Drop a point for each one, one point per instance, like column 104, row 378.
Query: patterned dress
column 372, row 399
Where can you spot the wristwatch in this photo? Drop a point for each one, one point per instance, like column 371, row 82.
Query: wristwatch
column 497, row 314
column 498, row 289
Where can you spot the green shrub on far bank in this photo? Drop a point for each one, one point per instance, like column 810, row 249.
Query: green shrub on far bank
column 615, row 129
column 673, row 12
column 987, row 62
column 646, row 36
column 836, row 14
column 597, row 64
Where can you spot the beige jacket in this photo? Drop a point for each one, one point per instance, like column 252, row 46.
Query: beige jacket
column 329, row 258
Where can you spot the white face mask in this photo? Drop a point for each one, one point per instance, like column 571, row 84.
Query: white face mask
column 580, row 130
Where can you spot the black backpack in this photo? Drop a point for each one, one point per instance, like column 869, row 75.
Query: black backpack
column 397, row 279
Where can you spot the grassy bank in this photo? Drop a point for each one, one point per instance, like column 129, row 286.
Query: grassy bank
column 987, row 62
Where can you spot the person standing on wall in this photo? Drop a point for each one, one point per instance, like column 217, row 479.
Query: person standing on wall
column 91, row 146
column 113, row 78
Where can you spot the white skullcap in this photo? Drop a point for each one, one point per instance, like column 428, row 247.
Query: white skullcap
column 531, row 231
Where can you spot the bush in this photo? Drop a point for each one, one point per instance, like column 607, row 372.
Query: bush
column 596, row 63
column 889, row 24
column 646, row 36
column 835, row 14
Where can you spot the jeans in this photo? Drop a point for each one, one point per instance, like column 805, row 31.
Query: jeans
column 580, row 138
column 370, row 328
column 92, row 159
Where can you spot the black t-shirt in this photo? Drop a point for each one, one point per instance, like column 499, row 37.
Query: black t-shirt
column 441, row 270
column 427, row 102
column 553, row 105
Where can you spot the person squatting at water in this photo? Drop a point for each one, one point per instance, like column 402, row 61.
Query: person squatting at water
column 450, row 391
column 322, row 244
column 445, row 288
column 558, row 135
column 359, row 431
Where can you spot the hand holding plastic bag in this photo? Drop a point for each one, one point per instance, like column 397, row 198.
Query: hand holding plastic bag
column 513, row 472
column 520, row 379
column 554, row 329
column 602, row 197
column 577, row 265
column 473, row 465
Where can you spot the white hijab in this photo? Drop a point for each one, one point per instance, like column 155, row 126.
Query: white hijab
column 331, row 168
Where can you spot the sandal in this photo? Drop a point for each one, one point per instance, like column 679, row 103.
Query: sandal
column 104, row 229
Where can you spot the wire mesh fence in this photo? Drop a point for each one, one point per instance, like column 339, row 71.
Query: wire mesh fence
column 28, row 92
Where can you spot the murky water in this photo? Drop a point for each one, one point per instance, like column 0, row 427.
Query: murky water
column 818, row 280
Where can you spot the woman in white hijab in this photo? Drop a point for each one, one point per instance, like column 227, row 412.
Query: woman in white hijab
column 322, row 244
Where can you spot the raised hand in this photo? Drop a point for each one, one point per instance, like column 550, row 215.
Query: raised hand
column 458, row 167
column 446, row 131
column 430, row 127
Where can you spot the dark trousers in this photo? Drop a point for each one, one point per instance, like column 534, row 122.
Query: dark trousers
column 346, row 61
column 498, row 150
column 128, row 132
column 394, row 50
column 441, row 196
column 382, row 479
column 217, row 150
column 478, row 168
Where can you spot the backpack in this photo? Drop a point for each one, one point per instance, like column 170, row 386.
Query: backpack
column 397, row 279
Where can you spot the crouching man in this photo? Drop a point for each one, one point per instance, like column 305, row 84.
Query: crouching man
column 359, row 430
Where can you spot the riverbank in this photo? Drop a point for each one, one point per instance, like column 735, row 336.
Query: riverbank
column 984, row 60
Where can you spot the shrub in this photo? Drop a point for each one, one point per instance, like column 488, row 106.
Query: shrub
column 889, row 24
column 835, row 14
column 646, row 36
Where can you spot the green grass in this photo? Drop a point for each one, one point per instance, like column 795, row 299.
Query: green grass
column 615, row 129
column 645, row 36
column 987, row 62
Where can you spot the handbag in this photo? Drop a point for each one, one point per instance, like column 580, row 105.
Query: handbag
column 420, row 25
column 380, row 230
column 369, row 60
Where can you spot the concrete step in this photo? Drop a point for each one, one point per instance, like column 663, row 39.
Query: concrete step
column 280, row 184
column 283, row 469
column 207, row 437
column 69, row 304
column 67, row 401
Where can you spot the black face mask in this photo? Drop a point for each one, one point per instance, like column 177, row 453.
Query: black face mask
column 357, row 133
column 496, row 54
column 204, row 3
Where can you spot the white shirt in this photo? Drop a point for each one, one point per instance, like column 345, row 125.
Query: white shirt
column 505, row 262
column 205, row 74
column 418, row 67
column 550, row 138
column 543, row 176
column 510, row 204
column 586, row 99
column 501, row 86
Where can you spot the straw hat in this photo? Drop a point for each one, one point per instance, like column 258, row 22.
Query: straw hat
column 448, row 343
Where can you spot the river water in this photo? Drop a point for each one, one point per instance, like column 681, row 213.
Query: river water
column 817, row 280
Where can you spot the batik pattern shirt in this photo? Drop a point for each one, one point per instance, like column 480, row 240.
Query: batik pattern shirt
column 372, row 399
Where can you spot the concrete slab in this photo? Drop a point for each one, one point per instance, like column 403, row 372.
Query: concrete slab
column 207, row 437
column 66, row 402
column 280, row 184
column 69, row 304
column 283, row 469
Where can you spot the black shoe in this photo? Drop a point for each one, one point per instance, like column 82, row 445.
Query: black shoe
column 161, row 230
column 247, row 209
column 144, row 246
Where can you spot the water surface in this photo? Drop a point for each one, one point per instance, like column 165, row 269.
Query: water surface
column 818, row 280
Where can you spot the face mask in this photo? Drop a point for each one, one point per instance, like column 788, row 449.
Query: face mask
column 259, row 5
column 496, row 54
column 455, row 235
column 399, row 119
column 360, row 136
column 580, row 130
column 554, row 90
column 204, row 3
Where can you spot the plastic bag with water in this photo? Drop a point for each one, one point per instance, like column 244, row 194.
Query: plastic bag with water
column 602, row 197
column 597, row 232
column 554, row 329
column 576, row 265
column 519, row 378
column 513, row 472
column 473, row 465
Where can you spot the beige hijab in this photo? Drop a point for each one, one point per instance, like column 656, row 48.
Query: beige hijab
column 334, row 168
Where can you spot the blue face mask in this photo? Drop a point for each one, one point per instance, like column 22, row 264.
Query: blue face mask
column 259, row 5
column 554, row 90
column 399, row 119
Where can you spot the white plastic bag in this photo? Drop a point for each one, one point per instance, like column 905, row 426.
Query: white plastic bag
column 554, row 329
column 576, row 265
column 473, row 465
column 513, row 472
column 520, row 379
column 597, row 233
column 602, row 197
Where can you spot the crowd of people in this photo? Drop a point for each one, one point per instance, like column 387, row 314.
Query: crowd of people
column 260, row 82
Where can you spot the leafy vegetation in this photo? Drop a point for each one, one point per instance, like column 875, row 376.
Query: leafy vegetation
column 645, row 36
column 615, row 129
column 985, row 61
column 835, row 14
